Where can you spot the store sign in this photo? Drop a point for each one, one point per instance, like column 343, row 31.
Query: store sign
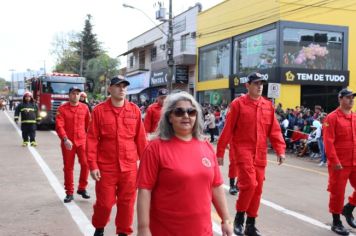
column 182, row 74
column 236, row 80
column 314, row 77
column 159, row 77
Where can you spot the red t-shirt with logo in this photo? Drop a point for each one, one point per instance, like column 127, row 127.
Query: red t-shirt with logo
column 181, row 175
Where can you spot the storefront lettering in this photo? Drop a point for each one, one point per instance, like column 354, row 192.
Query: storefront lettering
column 321, row 77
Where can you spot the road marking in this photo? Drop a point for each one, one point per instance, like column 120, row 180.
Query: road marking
column 297, row 215
column 77, row 214
column 301, row 168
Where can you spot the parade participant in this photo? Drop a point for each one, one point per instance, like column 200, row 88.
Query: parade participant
column 83, row 99
column 179, row 176
column 339, row 134
column 153, row 112
column 72, row 121
column 250, row 122
column 29, row 116
column 116, row 140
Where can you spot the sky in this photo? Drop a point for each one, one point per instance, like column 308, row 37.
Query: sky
column 28, row 27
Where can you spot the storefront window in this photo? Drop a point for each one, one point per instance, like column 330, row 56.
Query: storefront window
column 215, row 97
column 214, row 61
column 255, row 52
column 314, row 49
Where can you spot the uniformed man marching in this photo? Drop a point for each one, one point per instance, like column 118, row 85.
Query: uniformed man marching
column 339, row 133
column 29, row 116
column 251, row 120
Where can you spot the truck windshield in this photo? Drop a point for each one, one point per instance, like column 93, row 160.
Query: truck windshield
column 59, row 88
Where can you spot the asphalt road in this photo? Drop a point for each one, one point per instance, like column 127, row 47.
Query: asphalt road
column 295, row 200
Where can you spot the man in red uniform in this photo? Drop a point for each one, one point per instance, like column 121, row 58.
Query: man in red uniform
column 72, row 123
column 116, row 140
column 251, row 120
column 339, row 133
column 153, row 112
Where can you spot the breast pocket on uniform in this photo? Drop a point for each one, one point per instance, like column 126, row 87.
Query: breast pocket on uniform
column 107, row 128
column 130, row 125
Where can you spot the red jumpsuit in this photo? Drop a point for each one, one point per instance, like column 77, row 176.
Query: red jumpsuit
column 339, row 134
column 152, row 117
column 247, row 128
column 116, row 140
column 72, row 122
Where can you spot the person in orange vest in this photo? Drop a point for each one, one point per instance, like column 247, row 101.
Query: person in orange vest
column 153, row 112
column 72, row 121
column 116, row 140
column 250, row 122
column 339, row 134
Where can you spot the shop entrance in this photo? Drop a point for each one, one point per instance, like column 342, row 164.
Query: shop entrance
column 325, row 96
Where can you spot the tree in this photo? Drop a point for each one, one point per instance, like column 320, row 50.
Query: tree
column 101, row 68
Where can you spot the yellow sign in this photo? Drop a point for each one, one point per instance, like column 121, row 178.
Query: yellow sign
column 290, row 76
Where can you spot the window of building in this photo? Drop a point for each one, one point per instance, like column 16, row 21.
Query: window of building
column 153, row 53
column 314, row 49
column 131, row 61
column 214, row 61
column 255, row 52
column 183, row 42
column 141, row 59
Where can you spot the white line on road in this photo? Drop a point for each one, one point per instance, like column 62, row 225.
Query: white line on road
column 297, row 215
column 77, row 214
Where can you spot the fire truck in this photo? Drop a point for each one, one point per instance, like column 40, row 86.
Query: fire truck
column 50, row 91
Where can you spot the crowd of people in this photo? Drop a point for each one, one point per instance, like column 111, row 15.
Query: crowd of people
column 178, row 178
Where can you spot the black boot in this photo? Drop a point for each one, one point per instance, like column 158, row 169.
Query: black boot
column 68, row 198
column 347, row 212
column 337, row 226
column 232, row 190
column 251, row 229
column 99, row 232
column 239, row 223
column 84, row 194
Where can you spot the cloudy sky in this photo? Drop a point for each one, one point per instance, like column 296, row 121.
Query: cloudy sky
column 27, row 28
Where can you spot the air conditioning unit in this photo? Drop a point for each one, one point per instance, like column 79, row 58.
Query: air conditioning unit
column 193, row 35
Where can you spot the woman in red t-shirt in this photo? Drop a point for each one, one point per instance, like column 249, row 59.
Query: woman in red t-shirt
column 179, row 177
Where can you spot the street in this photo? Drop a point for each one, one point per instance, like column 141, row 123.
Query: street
column 295, row 200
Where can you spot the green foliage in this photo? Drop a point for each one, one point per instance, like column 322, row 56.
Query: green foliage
column 101, row 67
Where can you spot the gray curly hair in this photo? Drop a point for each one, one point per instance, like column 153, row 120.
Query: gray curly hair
column 165, row 130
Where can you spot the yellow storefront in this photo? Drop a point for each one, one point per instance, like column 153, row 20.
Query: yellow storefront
column 303, row 46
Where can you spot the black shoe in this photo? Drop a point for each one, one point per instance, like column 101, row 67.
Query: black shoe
column 251, row 230
column 122, row 234
column 239, row 223
column 339, row 229
column 84, row 194
column 347, row 212
column 99, row 232
column 233, row 190
column 68, row 198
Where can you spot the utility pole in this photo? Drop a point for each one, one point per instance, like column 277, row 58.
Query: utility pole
column 81, row 57
column 12, row 81
column 170, row 60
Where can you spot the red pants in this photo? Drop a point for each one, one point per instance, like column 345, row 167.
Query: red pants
column 232, row 164
column 337, row 184
column 68, row 161
column 120, row 188
column 250, row 184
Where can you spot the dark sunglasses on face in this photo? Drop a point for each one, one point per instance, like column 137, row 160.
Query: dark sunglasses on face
column 180, row 112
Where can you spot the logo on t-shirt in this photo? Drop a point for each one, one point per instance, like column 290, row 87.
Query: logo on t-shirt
column 206, row 162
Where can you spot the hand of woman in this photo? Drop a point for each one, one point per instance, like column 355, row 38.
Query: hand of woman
column 226, row 228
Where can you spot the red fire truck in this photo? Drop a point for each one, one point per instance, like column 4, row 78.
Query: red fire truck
column 50, row 91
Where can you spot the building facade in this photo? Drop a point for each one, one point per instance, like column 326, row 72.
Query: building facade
column 147, row 58
column 303, row 50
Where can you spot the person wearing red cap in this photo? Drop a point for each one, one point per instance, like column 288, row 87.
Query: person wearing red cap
column 72, row 121
column 116, row 140
column 29, row 117
column 339, row 135
column 251, row 120
column 153, row 112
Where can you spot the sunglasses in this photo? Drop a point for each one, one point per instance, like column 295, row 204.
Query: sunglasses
column 180, row 112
